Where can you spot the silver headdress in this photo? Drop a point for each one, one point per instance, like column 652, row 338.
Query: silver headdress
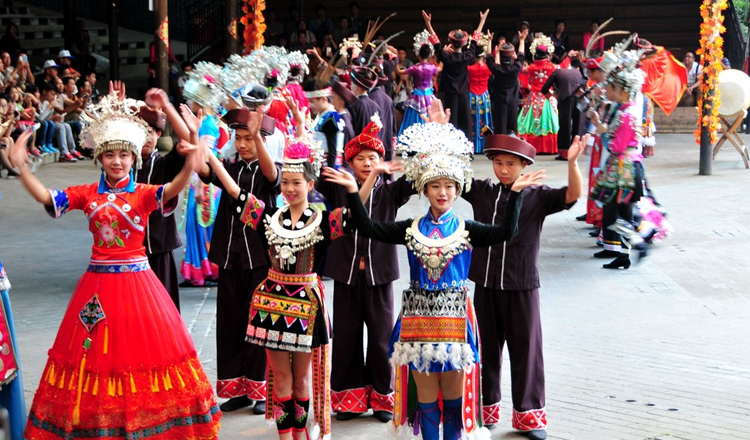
column 545, row 42
column 204, row 85
column 433, row 151
column 240, row 71
column 300, row 151
column 420, row 40
column 621, row 65
column 298, row 59
column 114, row 126
column 352, row 43
column 277, row 60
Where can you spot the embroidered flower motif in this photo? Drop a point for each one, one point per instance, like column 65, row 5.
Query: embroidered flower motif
column 273, row 304
column 295, row 308
column 299, row 412
column 109, row 234
column 278, row 413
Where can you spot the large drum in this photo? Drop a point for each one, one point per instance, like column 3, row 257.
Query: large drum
column 734, row 86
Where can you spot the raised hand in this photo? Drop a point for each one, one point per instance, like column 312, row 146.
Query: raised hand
column 192, row 120
column 117, row 88
column 577, row 147
column 389, row 167
column 157, row 98
column 342, row 178
column 436, row 113
column 483, row 15
column 528, row 180
column 17, row 153
column 427, row 17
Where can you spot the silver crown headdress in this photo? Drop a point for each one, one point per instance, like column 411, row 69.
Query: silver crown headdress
column 277, row 60
column 542, row 40
column 298, row 59
column 621, row 65
column 114, row 126
column 420, row 40
column 240, row 71
column 433, row 151
column 204, row 85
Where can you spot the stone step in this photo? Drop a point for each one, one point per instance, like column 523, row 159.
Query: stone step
column 681, row 120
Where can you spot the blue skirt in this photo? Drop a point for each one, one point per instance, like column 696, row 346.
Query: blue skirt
column 195, row 267
column 11, row 396
column 481, row 116
column 417, row 105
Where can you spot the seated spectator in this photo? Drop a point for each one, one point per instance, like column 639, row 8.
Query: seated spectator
column 10, row 41
column 593, row 27
column 329, row 46
column 22, row 73
column 694, row 72
column 91, row 78
column 561, row 42
column 65, row 61
column 49, row 72
column 290, row 26
column 6, row 127
column 524, row 26
column 342, row 30
column 73, row 105
column 404, row 62
column 320, row 25
column 301, row 42
column 274, row 28
column 51, row 110
column 307, row 36
column 186, row 68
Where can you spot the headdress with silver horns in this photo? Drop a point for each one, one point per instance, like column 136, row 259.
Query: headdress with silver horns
column 114, row 126
column 420, row 40
column 204, row 85
column 622, row 67
column 433, row 151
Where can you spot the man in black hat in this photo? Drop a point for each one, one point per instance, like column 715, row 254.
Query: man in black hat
column 506, row 67
column 364, row 79
column 342, row 98
column 506, row 298
column 566, row 82
column 161, row 230
column 242, row 261
column 387, row 113
column 454, row 81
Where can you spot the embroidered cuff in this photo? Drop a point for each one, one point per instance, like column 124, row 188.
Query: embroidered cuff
column 476, row 36
column 338, row 222
column 167, row 207
column 60, row 203
column 434, row 39
column 249, row 209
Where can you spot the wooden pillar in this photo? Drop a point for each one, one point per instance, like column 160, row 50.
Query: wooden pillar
column 231, row 36
column 69, row 22
column 161, row 43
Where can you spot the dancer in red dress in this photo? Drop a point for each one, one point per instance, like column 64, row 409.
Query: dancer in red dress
column 123, row 365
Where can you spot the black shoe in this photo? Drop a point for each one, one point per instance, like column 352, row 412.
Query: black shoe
column 642, row 251
column 210, row 283
column 260, row 407
column 606, row 254
column 564, row 159
column 581, row 218
column 383, row 416
column 188, row 284
column 344, row 416
column 594, row 233
column 537, row 434
column 622, row 260
column 235, row 403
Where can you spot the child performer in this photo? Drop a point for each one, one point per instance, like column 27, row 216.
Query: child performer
column 435, row 341
column 123, row 361
column 287, row 314
column 240, row 254
column 507, row 280
column 363, row 271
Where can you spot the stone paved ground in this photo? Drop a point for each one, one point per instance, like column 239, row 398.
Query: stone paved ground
column 659, row 351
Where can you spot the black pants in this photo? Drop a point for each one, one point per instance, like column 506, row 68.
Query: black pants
column 511, row 316
column 236, row 358
column 610, row 213
column 460, row 111
column 565, row 113
column 355, row 307
column 165, row 268
column 505, row 117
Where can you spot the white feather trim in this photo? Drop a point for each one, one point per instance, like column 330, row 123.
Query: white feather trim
column 422, row 355
column 454, row 355
column 403, row 432
column 441, row 354
column 478, row 434
column 376, row 119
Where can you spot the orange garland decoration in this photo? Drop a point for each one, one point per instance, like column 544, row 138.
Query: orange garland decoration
column 254, row 24
column 711, row 52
